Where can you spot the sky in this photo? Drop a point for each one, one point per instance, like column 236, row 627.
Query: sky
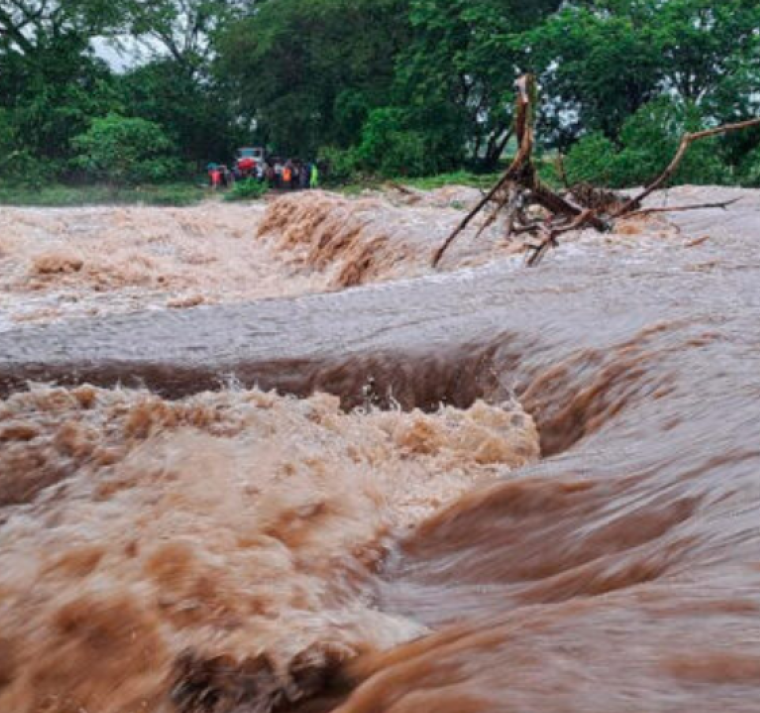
column 130, row 54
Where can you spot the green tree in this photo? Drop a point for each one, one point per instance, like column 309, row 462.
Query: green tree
column 310, row 73
column 197, row 113
column 28, row 25
column 705, row 45
column 182, row 30
column 387, row 86
column 176, row 88
column 459, row 72
column 648, row 141
column 14, row 161
column 56, row 98
column 51, row 85
column 600, row 61
column 595, row 69
column 124, row 150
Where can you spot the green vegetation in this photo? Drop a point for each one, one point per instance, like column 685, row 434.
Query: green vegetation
column 647, row 142
column 247, row 190
column 456, row 178
column 59, row 196
column 749, row 170
column 124, row 151
column 360, row 183
column 395, row 89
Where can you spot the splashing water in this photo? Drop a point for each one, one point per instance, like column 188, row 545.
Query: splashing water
column 239, row 524
column 243, row 551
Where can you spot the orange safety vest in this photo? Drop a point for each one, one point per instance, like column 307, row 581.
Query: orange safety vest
column 287, row 174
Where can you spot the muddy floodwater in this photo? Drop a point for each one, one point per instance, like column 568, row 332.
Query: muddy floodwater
column 58, row 264
column 282, row 465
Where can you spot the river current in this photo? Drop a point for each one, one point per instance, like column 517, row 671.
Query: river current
column 487, row 489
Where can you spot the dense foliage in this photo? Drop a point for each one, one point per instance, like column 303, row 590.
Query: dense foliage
column 647, row 141
column 387, row 87
column 125, row 151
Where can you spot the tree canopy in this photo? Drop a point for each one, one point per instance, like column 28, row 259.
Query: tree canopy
column 380, row 86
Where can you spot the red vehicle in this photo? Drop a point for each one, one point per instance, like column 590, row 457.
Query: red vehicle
column 248, row 159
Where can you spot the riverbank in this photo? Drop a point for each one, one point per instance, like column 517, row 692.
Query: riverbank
column 63, row 196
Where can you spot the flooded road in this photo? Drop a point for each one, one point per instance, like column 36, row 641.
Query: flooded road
column 620, row 573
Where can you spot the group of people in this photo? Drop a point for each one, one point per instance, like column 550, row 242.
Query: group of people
column 287, row 175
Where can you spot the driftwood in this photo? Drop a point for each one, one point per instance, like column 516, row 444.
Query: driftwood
column 524, row 132
column 581, row 206
column 521, row 176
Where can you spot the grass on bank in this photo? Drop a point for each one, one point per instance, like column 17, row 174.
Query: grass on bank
column 483, row 181
column 427, row 183
column 457, row 178
column 184, row 194
column 62, row 196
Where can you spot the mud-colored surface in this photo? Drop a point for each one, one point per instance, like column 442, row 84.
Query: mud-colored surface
column 62, row 263
column 237, row 524
column 619, row 574
column 57, row 264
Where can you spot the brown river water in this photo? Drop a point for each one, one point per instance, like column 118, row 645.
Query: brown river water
column 484, row 489
column 82, row 262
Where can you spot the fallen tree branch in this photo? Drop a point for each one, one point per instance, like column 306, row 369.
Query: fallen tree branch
column 524, row 131
column 520, row 181
column 508, row 199
column 585, row 218
column 519, row 188
column 467, row 219
column 681, row 208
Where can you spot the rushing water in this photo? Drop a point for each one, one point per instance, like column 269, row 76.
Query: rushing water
column 60, row 264
column 244, row 551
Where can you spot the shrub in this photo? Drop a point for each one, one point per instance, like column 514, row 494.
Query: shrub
column 592, row 160
column 17, row 165
column 124, row 150
column 650, row 139
column 58, row 195
column 247, row 190
column 340, row 165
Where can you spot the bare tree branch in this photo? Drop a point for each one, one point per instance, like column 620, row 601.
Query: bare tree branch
column 680, row 209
